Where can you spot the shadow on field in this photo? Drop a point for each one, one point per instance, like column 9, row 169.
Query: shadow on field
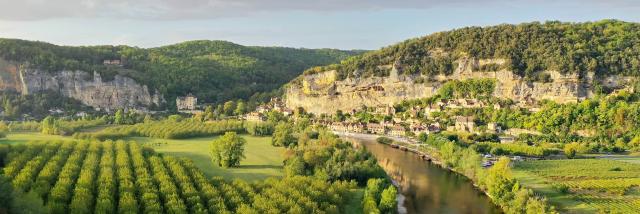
column 258, row 166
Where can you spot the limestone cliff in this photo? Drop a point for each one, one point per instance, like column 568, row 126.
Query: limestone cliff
column 323, row 93
column 91, row 90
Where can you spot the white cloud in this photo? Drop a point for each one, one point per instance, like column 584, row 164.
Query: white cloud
column 207, row 9
column 192, row 9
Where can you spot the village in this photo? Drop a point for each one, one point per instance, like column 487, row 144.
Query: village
column 409, row 124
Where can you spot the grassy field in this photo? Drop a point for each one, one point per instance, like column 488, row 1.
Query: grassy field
column 23, row 137
column 263, row 160
column 585, row 185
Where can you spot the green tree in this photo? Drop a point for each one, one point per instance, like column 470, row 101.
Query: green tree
column 228, row 108
column 274, row 116
column 28, row 203
column 294, row 166
column 241, row 108
column 283, row 135
column 208, row 113
column 388, row 201
column 120, row 117
column 6, row 196
column 228, row 150
column 572, row 149
column 49, row 125
column 500, row 182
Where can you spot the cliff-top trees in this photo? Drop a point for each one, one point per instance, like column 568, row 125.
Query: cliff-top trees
column 604, row 47
column 228, row 150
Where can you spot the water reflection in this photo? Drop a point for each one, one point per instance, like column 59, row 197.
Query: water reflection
column 426, row 187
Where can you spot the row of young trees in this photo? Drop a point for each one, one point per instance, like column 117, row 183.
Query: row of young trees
column 166, row 129
column 514, row 149
column 124, row 177
column 55, row 126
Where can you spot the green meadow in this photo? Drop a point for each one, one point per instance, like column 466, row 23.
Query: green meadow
column 262, row 159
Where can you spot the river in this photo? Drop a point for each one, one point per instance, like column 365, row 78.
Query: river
column 425, row 187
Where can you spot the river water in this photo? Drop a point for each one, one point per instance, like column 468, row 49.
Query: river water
column 425, row 187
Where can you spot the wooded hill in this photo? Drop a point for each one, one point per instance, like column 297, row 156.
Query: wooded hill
column 604, row 47
column 212, row 70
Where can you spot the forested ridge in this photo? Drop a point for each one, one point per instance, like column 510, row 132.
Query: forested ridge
column 212, row 70
column 605, row 47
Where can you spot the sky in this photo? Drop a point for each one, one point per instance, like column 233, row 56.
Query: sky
column 342, row 24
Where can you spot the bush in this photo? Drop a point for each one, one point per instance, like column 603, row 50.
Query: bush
column 384, row 140
column 561, row 188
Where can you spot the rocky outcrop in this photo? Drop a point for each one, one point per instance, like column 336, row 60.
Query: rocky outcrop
column 90, row 89
column 322, row 93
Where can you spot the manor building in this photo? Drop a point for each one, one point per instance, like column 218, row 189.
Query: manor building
column 187, row 103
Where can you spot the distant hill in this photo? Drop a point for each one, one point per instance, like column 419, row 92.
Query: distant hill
column 212, row 70
column 604, row 47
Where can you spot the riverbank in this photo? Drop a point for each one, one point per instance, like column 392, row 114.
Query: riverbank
column 426, row 187
column 496, row 182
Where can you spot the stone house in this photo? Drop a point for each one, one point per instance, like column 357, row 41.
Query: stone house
column 397, row 130
column 356, row 127
column 375, row 128
column 465, row 124
column 255, row 116
column 115, row 62
column 263, row 108
column 417, row 128
column 338, row 126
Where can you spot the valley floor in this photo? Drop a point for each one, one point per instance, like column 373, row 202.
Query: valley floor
column 262, row 159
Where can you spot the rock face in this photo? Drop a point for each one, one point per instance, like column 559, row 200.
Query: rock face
column 91, row 90
column 322, row 93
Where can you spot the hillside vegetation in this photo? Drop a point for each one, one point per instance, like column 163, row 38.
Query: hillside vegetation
column 604, row 47
column 212, row 70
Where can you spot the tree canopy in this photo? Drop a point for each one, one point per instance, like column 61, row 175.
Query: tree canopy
column 228, row 150
column 604, row 47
